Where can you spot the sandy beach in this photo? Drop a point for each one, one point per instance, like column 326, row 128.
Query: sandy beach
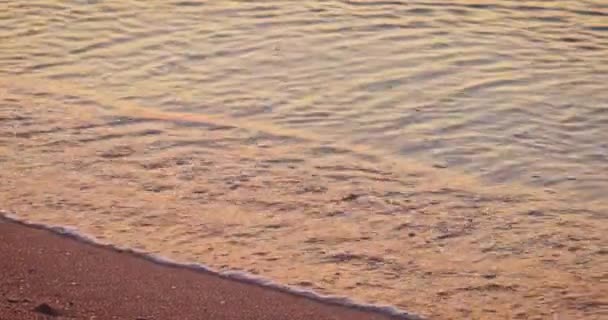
column 48, row 275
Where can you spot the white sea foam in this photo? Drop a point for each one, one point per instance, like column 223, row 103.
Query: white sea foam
column 230, row 274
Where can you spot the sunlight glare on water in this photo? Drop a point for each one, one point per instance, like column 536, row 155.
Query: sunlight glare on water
column 425, row 154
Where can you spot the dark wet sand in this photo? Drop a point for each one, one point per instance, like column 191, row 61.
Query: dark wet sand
column 82, row 281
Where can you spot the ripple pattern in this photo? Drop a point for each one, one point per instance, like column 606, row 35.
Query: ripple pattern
column 331, row 218
column 506, row 90
column 435, row 155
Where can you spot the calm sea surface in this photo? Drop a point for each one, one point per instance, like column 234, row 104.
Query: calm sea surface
column 446, row 157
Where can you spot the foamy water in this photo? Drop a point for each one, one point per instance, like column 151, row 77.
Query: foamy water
column 445, row 158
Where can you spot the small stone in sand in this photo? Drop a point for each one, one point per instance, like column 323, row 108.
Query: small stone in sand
column 13, row 300
column 46, row 309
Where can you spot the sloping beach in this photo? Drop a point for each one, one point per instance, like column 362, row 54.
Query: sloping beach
column 48, row 275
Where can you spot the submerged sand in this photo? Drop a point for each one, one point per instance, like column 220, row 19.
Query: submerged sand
column 320, row 215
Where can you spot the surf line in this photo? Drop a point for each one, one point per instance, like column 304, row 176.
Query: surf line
column 235, row 275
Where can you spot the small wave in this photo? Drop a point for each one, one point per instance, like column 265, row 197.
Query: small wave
column 237, row 275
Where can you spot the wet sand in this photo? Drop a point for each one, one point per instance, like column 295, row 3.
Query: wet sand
column 45, row 274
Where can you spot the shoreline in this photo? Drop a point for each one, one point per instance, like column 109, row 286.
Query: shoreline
column 65, row 275
column 334, row 222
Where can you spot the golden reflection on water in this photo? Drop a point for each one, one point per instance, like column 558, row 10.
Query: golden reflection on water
column 444, row 157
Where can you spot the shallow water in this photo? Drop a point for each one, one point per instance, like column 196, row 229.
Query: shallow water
column 449, row 158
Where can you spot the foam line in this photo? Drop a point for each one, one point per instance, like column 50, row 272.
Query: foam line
column 236, row 275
